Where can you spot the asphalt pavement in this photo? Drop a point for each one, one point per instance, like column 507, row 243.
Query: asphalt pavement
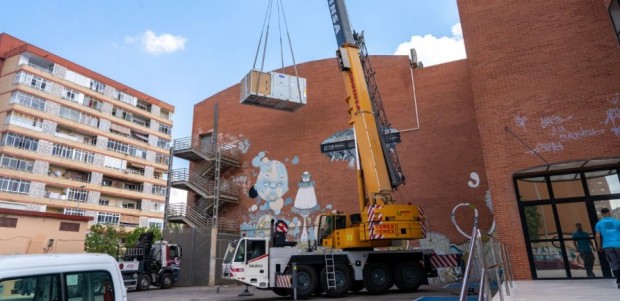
column 231, row 293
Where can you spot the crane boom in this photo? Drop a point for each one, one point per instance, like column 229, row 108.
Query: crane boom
column 380, row 221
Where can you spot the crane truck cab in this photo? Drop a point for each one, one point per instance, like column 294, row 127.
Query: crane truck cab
column 150, row 263
column 53, row 277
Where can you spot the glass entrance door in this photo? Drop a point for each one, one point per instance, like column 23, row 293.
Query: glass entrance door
column 559, row 212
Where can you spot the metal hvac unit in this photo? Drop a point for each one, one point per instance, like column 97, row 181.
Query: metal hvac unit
column 273, row 90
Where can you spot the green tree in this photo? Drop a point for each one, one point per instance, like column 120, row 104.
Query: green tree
column 132, row 237
column 103, row 239
column 533, row 220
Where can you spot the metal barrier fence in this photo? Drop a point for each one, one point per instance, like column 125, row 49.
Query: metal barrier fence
column 489, row 257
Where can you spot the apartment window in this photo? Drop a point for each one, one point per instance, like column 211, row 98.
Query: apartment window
column 159, row 190
column 28, row 100
column 93, row 103
column 162, row 159
column 14, row 185
column 136, row 152
column 71, row 153
column 75, row 115
column 143, row 106
column 69, row 94
column 129, row 205
column 8, row 222
column 20, row 141
column 72, row 211
column 78, row 195
column 126, row 98
column 104, row 202
column 71, row 227
column 16, row 163
column 108, row 218
column 614, row 13
column 32, row 80
column 163, row 143
column 166, row 129
column 117, row 146
column 132, row 187
column 106, row 182
column 24, row 120
column 120, row 113
column 97, row 86
column 156, row 225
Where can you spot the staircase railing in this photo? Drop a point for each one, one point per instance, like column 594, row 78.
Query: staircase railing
column 200, row 220
column 206, row 150
column 191, row 214
column 206, row 186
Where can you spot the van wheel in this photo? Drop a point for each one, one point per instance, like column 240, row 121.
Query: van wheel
column 144, row 283
column 344, row 281
column 306, row 281
column 408, row 276
column 377, row 278
column 166, row 281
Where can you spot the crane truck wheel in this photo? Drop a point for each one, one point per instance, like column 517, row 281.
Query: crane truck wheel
column 344, row 281
column 306, row 281
column 144, row 282
column 166, row 281
column 408, row 276
column 377, row 278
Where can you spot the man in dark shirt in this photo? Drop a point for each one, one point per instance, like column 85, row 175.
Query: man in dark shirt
column 583, row 245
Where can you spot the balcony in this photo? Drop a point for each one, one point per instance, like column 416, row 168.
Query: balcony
column 122, row 184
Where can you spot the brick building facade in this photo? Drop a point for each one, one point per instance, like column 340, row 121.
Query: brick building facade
column 526, row 129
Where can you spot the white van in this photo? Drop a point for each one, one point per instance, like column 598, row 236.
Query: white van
column 61, row 277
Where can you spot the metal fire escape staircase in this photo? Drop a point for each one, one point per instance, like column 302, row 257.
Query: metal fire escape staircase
column 205, row 180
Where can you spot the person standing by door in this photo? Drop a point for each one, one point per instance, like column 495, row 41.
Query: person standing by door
column 608, row 240
column 583, row 245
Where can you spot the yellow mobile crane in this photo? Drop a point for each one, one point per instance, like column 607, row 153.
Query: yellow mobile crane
column 347, row 256
column 380, row 221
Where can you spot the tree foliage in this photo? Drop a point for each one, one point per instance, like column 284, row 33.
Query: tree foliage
column 103, row 239
column 534, row 221
column 108, row 239
column 132, row 237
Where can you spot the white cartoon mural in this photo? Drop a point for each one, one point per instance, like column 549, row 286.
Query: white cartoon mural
column 272, row 181
column 305, row 202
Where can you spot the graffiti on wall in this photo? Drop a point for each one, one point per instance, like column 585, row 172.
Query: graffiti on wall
column 561, row 130
column 474, row 180
column 613, row 115
column 520, row 121
column 273, row 200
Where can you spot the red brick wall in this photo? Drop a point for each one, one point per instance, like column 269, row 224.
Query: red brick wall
column 554, row 63
column 437, row 158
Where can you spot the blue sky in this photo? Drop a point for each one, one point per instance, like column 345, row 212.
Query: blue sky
column 185, row 51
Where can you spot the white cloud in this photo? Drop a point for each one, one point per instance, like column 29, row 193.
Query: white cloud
column 178, row 196
column 157, row 44
column 433, row 50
